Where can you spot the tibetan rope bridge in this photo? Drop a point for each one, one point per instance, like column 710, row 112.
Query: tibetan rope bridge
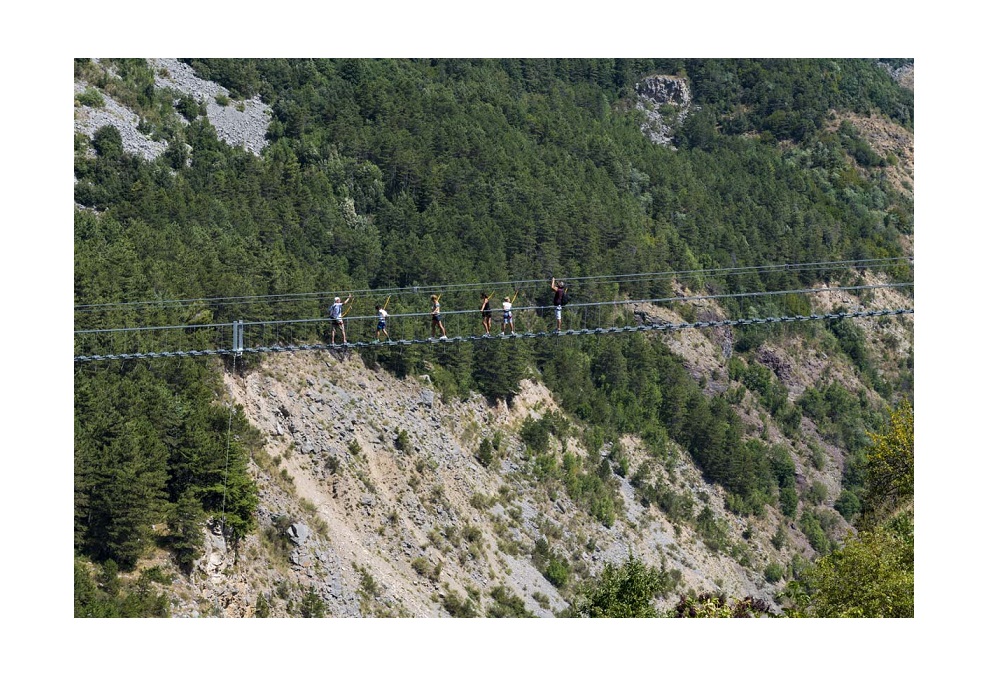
column 408, row 323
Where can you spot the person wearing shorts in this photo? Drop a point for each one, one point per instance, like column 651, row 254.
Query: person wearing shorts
column 435, row 317
column 507, row 315
column 382, row 321
column 336, row 318
column 558, row 302
column 487, row 314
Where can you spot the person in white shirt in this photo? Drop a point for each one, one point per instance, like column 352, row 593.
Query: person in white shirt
column 507, row 315
column 382, row 316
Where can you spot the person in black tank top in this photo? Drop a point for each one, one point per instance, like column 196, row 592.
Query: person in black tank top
column 487, row 314
column 558, row 302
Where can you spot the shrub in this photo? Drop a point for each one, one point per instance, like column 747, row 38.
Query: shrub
column 627, row 590
column 507, row 604
column 812, row 529
column 312, row 605
column 456, row 607
column 818, row 459
column 107, row 142
column 187, row 107
column 779, row 540
column 485, row 453
column 711, row 530
column 425, row 569
column 332, row 463
column 557, row 572
column 91, row 97
column 472, row 534
column 848, row 505
column 535, row 435
column 816, row 494
column 402, row 441
column 789, row 501
column 773, row 573
column 262, row 609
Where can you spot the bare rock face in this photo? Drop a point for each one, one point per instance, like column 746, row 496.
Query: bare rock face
column 778, row 364
column 665, row 101
column 665, row 89
column 903, row 75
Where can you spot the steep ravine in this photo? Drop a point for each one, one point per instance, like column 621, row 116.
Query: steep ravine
column 391, row 527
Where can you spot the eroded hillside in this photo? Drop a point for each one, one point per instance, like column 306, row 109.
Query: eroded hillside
column 379, row 499
column 401, row 511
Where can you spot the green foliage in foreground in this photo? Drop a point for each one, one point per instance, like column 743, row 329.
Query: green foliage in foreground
column 628, row 590
column 720, row 607
column 873, row 574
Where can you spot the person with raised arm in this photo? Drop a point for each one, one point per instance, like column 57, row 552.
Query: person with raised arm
column 487, row 313
column 508, row 312
column 382, row 321
column 559, row 301
column 336, row 314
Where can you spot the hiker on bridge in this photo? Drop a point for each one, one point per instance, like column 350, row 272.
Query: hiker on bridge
column 382, row 321
column 336, row 314
column 559, row 301
column 487, row 313
column 435, row 317
column 508, row 312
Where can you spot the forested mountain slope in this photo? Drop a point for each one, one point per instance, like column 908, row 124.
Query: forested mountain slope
column 518, row 477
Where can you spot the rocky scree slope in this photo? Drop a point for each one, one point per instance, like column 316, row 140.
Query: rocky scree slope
column 238, row 123
column 380, row 523
column 373, row 499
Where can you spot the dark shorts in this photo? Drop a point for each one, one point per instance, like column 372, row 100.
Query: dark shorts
column 381, row 325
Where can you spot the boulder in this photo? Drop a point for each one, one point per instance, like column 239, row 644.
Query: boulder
column 299, row 533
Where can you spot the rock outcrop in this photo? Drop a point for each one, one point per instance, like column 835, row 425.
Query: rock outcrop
column 665, row 100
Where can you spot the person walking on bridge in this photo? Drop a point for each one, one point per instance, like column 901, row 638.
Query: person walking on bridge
column 487, row 313
column 558, row 302
column 508, row 313
column 336, row 318
column 435, row 317
column 382, row 320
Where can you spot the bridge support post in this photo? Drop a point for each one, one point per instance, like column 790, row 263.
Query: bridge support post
column 237, row 337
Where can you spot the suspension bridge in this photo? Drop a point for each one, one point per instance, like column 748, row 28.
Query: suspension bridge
column 584, row 315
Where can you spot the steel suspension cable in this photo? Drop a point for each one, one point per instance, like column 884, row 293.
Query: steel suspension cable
column 499, row 337
column 621, row 302
column 417, row 288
